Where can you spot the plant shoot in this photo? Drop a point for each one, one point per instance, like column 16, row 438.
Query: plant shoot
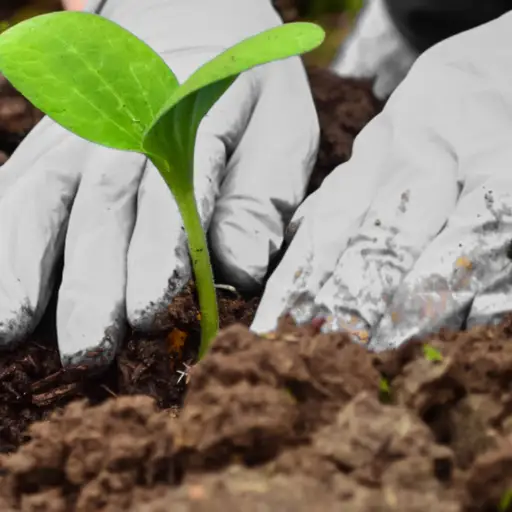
column 432, row 354
column 384, row 391
column 102, row 83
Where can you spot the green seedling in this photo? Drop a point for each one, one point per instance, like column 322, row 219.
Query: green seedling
column 505, row 504
column 432, row 354
column 384, row 391
column 102, row 83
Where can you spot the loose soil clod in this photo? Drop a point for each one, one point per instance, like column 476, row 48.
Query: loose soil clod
column 291, row 421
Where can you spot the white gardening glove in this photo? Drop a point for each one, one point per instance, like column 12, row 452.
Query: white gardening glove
column 125, row 249
column 375, row 50
column 414, row 232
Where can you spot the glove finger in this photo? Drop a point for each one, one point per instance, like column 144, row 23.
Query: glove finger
column 158, row 259
column 91, row 310
column 38, row 187
column 267, row 176
column 337, row 210
column 468, row 259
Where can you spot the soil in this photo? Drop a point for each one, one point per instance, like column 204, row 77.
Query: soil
column 17, row 118
column 294, row 421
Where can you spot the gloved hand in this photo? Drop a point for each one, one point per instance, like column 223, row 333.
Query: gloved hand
column 111, row 213
column 414, row 232
column 375, row 50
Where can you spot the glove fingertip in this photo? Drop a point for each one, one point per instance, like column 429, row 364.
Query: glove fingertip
column 89, row 330
column 85, row 351
column 97, row 356
column 151, row 317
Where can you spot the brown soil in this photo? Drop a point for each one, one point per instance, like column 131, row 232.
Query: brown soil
column 17, row 117
column 299, row 421
column 344, row 107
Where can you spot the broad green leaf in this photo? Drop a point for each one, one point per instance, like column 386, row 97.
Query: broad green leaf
column 89, row 74
column 175, row 128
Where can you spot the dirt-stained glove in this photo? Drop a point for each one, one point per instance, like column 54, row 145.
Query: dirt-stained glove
column 111, row 213
column 414, row 232
column 375, row 50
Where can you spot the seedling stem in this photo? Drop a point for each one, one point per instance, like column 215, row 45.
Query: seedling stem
column 202, row 268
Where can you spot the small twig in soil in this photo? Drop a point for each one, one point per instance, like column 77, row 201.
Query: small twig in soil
column 184, row 373
column 38, row 345
column 30, row 361
column 74, row 375
column 109, row 391
column 46, row 399
column 47, row 381
column 139, row 371
column 8, row 372
column 12, row 391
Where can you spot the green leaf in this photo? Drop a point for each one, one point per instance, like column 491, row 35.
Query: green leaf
column 384, row 391
column 185, row 109
column 274, row 44
column 89, row 74
column 384, row 386
column 432, row 354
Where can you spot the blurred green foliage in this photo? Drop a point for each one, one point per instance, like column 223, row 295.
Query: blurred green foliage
column 335, row 16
